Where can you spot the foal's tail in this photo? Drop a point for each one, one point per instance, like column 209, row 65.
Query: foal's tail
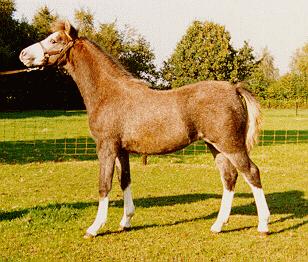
column 254, row 116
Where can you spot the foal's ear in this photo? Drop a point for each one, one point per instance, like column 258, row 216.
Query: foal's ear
column 70, row 30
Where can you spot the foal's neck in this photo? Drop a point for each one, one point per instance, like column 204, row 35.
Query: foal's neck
column 96, row 74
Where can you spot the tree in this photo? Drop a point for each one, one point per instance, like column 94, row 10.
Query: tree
column 289, row 86
column 299, row 64
column 137, row 56
column 14, row 35
column 204, row 52
column 263, row 75
column 299, row 67
column 7, row 29
column 42, row 21
column 126, row 46
column 294, row 85
column 244, row 63
column 85, row 23
column 110, row 39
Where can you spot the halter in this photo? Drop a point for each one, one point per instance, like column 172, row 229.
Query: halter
column 47, row 55
column 61, row 53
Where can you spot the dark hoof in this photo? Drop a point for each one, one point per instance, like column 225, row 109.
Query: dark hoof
column 88, row 236
column 264, row 234
column 124, row 229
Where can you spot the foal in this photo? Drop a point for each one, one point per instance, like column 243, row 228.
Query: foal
column 126, row 116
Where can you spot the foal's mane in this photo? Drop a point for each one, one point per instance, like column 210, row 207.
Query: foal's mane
column 112, row 62
column 117, row 68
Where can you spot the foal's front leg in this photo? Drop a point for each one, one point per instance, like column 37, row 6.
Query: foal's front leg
column 106, row 156
column 123, row 170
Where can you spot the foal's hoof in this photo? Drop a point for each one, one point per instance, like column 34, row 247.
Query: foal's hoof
column 216, row 228
column 264, row 234
column 88, row 236
column 124, row 229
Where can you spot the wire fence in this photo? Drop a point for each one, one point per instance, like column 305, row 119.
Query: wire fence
column 59, row 135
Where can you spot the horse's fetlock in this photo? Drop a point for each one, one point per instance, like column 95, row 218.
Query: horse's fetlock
column 102, row 193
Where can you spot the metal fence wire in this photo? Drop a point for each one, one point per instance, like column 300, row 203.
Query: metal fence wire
column 57, row 135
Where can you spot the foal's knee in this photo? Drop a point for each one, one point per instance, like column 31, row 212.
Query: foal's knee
column 228, row 172
column 253, row 176
column 104, row 190
column 230, row 180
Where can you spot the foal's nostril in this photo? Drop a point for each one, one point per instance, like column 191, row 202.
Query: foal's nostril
column 23, row 53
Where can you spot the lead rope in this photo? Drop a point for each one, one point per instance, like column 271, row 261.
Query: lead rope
column 27, row 70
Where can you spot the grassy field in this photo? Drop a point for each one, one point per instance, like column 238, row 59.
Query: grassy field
column 46, row 206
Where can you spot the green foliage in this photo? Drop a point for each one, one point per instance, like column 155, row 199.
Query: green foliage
column 137, row 56
column 293, row 85
column 13, row 35
column 42, row 21
column 289, row 86
column 85, row 22
column 128, row 47
column 110, row 39
column 7, row 8
column 299, row 64
column 205, row 53
column 263, row 75
column 7, row 30
column 244, row 63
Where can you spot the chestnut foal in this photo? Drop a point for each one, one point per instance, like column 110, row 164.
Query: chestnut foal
column 126, row 116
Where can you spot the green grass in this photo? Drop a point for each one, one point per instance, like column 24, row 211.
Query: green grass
column 46, row 207
column 284, row 119
column 48, row 197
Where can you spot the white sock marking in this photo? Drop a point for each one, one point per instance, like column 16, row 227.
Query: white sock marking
column 129, row 208
column 101, row 216
column 224, row 212
column 262, row 208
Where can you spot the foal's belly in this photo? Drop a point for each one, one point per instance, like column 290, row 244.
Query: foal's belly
column 156, row 138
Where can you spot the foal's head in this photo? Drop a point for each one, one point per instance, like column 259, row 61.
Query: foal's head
column 52, row 49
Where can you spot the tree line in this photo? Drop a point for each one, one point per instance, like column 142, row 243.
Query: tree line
column 205, row 52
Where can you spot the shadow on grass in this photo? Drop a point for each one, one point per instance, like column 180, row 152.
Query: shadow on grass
column 291, row 203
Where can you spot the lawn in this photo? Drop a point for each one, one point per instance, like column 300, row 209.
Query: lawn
column 285, row 119
column 48, row 200
column 45, row 208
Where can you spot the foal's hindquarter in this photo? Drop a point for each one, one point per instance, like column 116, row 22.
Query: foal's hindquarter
column 126, row 116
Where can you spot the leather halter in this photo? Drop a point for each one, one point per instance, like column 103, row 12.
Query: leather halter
column 61, row 53
column 47, row 55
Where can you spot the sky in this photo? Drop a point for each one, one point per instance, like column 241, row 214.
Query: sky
column 279, row 25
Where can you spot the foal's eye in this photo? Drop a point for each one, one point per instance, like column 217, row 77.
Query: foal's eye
column 52, row 41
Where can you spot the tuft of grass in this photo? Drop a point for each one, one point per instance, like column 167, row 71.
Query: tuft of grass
column 45, row 208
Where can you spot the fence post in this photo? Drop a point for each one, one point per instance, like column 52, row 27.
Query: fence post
column 296, row 108
column 145, row 159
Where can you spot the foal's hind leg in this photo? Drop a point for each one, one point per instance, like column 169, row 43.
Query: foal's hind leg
column 252, row 176
column 123, row 170
column 228, row 175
